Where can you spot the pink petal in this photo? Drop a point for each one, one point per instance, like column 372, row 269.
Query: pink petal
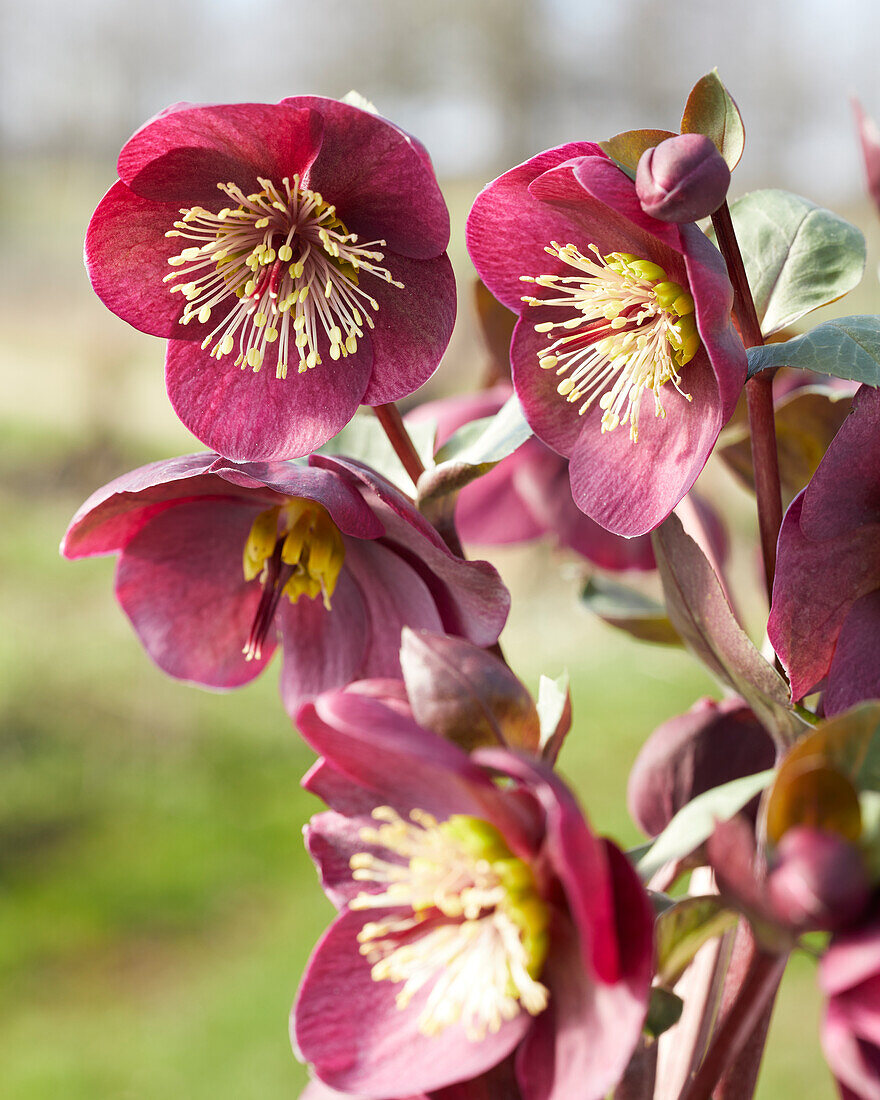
column 640, row 483
column 127, row 253
column 181, row 155
column 180, row 582
column 332, row 839
column 491, row 510
column 251, row 416
column 394, row 596
column 323, row 649
column 851, row 959
column 413, row 325
column 508, row 228
column 855, row 1064
column 348, row 1026
column 580, row 1046
column 380, row 180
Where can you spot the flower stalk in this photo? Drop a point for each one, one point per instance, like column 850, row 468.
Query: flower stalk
column 399, row 438
column 759, row 396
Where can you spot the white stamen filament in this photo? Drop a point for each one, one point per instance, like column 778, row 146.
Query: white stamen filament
column 292, row 266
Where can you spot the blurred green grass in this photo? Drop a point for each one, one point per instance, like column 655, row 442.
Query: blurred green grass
column 156, row 904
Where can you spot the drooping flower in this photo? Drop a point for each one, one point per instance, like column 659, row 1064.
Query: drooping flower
column 616, row 309
column 219, row 561
column 528, row 494
column 825, row 617
column 294, row 256
column 476, row 921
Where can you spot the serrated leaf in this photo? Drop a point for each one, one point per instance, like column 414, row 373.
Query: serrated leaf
column 710, row 110
column 699, row 611
column 472, row 451
column 364, row 438
column 797, row 255
column 695, row 822
column 847, row 347
column 626, row 149
column 629, row 610
column 681, row 931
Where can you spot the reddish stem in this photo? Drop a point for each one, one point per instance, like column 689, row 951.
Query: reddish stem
column 759, row 396
column 391, row 420
column 739, row 1024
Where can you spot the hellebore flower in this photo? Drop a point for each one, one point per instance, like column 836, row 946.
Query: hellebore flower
column 293, row 254
column 849, row 976
column 682, row 179
column 475, row 920
column 825, row 617
column 219, row 561
column 528, row 494
column 622, row 304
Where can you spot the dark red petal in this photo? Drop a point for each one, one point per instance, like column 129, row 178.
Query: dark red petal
column 180, row 156
column 348, row 1026
column 413, row 325
column 380, row 181
column 181, row 584
column 251, row 416
column 323, row 649
column 508, row 228
column 854, row 674
column 126, row 254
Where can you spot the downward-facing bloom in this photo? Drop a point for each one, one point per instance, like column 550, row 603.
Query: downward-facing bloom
column 476, row 921
column 294, row 256
column 220, row 561
column 825, row 618
column 625, row 357
column 528, row 494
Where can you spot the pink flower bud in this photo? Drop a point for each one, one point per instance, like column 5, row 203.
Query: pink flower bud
column 682, row 179
column 819, row 880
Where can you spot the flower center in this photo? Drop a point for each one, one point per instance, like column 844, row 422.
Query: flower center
column 296, row 550
column 280, row 266
column 469, row 919
column 631, row 330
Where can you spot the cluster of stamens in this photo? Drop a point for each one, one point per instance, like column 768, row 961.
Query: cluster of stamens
column 280, row 267
column 468, row 920
column 631, row 330
column 296, row 550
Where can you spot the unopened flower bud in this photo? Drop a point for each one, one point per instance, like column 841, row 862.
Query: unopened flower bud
column 682, row 179
column 819, row 880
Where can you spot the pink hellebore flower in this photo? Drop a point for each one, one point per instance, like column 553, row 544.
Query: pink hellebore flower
column 869, row 137
column 218, row 561
column 294, row 256
column 612, row 303
column 825, row 618
column 849, row 975
column 528, row 494
column 476, row 921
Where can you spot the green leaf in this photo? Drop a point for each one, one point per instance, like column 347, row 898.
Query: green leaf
column 797, row 255
column 629, row 610
column 664, row 1011
column 363, row 438
column 848, row 347
column 472, row 451
column 710, row 110
column 699, row 611
column 626, row 149
column 681, row 931
column 695, row 822
column 554, row 714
